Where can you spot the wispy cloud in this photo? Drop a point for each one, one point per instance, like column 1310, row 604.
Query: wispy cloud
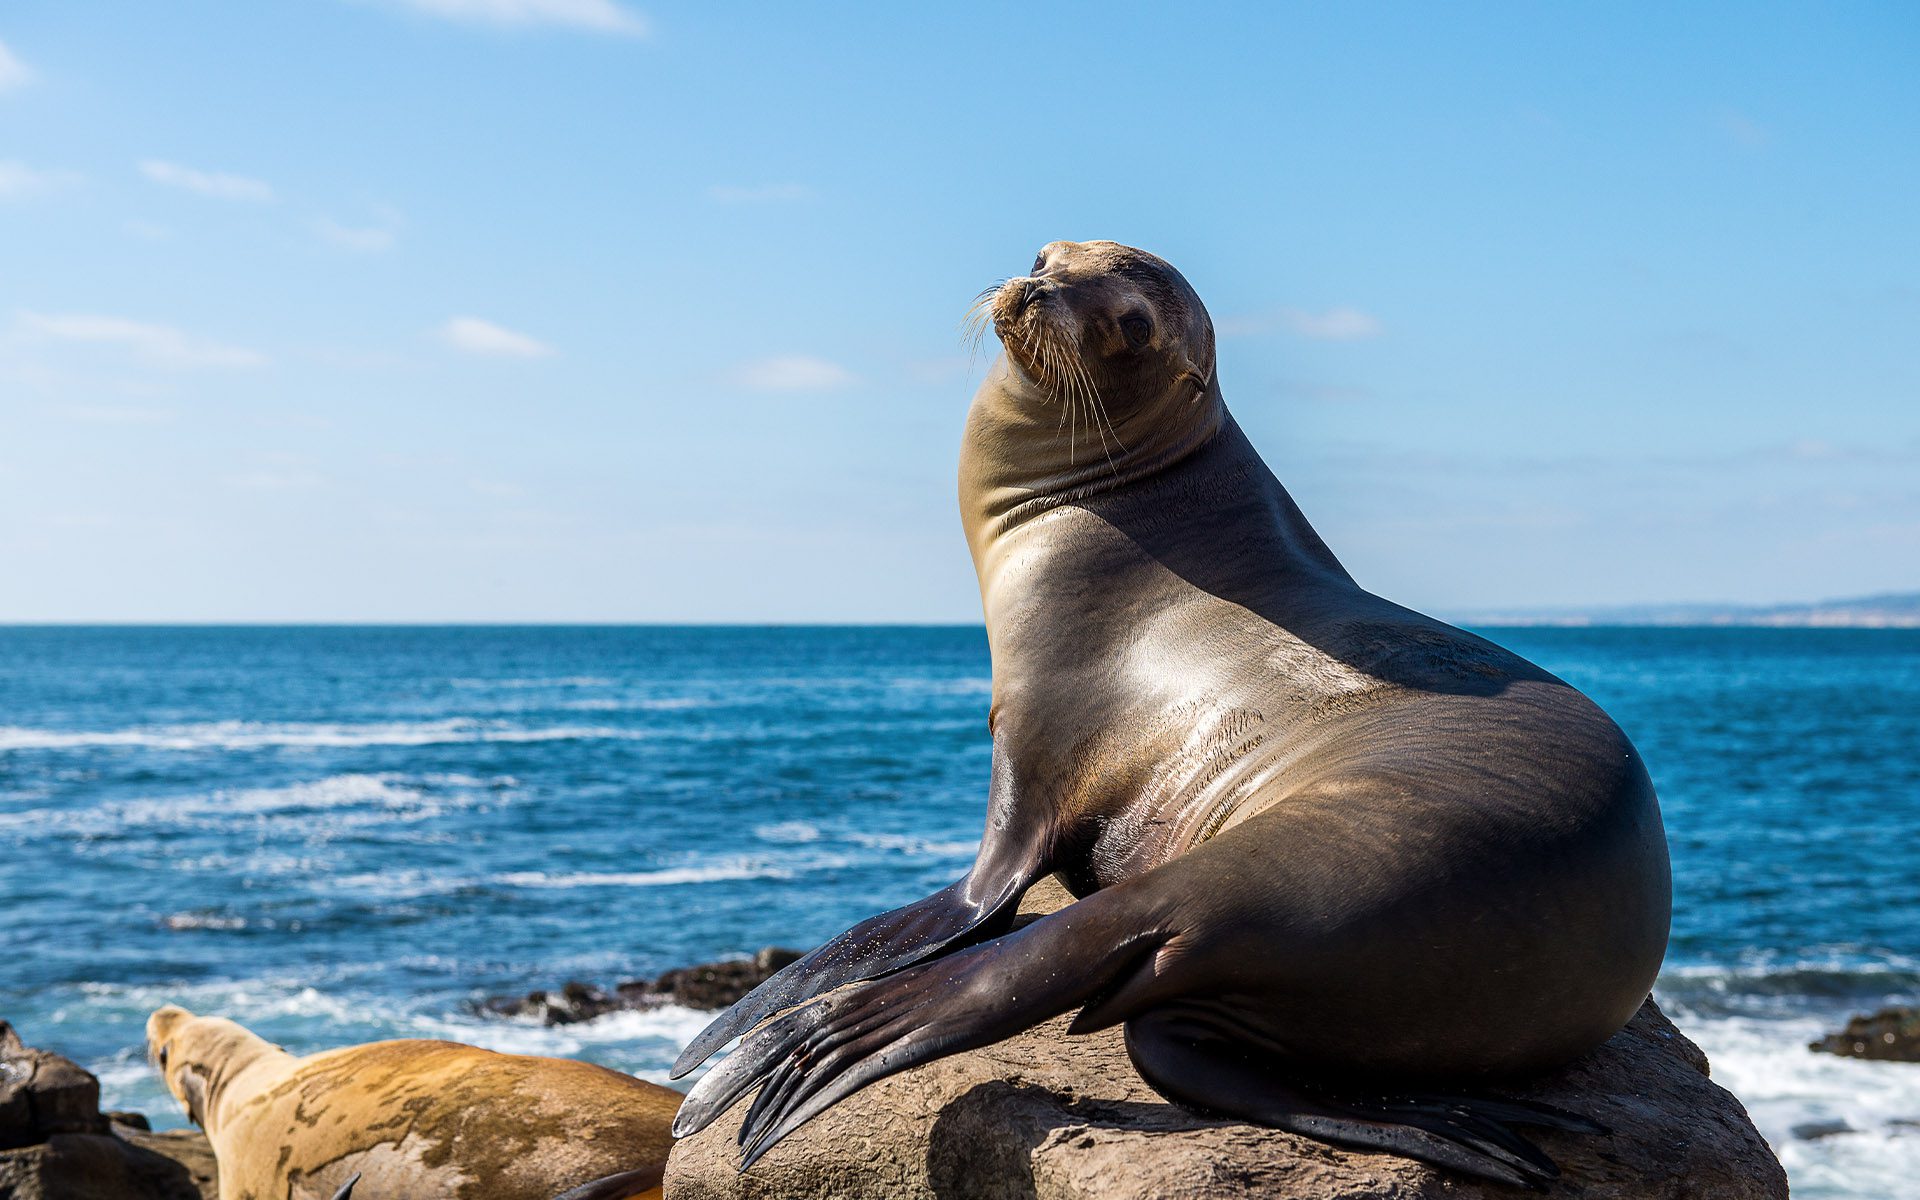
column 13, row 72
column 1341, row 323
column 362, row 239
column 154, row 345
column 765, row 193
column 113, row 414
column 475, row 336
column 793, row 373
column 268, row 480
column 19, row 181
column 216, row 184
column 595, row 16
column 1743, row 129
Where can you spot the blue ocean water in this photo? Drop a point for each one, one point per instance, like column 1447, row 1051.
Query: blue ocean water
column 341, row 834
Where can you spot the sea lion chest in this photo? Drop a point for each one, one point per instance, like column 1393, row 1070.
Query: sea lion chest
column 1142, row 712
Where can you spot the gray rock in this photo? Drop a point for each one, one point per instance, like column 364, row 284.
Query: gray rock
column 1046, row 1115
column 1892, row 1034
column 56, row 1144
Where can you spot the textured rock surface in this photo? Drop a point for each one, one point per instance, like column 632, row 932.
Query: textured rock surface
column 706, row 986
column 1045, row 1115
column 55, row 1144
column 1891, row 1033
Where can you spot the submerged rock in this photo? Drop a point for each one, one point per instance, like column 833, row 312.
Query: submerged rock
column 1891, row 1033
column 706, row 986
column 1068, row 1118
column 56, row 1144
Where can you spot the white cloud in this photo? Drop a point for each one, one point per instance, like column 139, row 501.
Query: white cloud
column 275, row 481
column 598, row 16
column 793, row 373
column 476, row 336
column 155, row 345
column 369, row 239
column 766, row 193
column 13, row 72
column 1743, row 129
column 217, row 184
column 18, row 180
column 107, row 414
column 1341, row 323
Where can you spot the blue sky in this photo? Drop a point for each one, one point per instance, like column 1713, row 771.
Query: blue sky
column 575, row 310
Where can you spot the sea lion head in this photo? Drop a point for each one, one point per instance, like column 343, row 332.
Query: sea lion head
column 198, row 1056
column 1113, row 334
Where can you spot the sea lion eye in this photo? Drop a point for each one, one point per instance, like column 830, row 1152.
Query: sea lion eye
column 1039, row 263
column 163, row 1058
column 1138, row 329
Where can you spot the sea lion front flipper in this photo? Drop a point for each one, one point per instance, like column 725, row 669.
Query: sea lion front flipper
column 978, row 906
column 809, row 1058
column 1188, row 1058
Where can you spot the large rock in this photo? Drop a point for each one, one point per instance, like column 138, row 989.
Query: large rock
column 55, row 1144
column 1891, row 1033
column 1045, row 1115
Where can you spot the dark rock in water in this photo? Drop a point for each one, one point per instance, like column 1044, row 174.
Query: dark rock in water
column 1813, row 1131
column 1891, row 1033
column 707, row 986
column 718, row 985
column 56, row 1144
column 1045, row 1116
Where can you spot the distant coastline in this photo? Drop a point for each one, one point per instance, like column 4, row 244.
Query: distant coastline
column 1899, row 610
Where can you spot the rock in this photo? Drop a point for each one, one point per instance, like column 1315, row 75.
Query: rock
column 1813, row 1131
column 42, row 1094
column 187, row 1147
column 1891, row 1033
column 707, row 986
column 56, row 1144
column 1046, row 1115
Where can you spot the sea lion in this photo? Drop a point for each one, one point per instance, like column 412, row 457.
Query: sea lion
column 1334, row 858
column 411, row 1119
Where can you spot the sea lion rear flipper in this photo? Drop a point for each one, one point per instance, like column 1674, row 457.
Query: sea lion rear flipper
column 808, row 1059
column 978, row 906
column 1189, row 1059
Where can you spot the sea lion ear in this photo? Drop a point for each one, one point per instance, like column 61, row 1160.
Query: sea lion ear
column 1202, row 380
column 193, row 1093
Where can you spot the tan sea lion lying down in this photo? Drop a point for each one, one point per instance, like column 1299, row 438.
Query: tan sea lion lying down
column 413, row 1120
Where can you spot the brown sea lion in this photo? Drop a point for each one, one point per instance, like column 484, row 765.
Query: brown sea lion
column 409, row 1120
column 1335, row 859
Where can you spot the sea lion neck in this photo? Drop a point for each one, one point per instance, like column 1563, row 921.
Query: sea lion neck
column 237, row 1051
column 1024, row 452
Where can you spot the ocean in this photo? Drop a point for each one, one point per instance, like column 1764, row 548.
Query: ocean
column 338, row 834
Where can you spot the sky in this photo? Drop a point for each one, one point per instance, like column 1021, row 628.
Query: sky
column 580, row 310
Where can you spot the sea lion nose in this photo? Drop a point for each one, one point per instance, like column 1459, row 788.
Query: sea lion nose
column 1029, row 288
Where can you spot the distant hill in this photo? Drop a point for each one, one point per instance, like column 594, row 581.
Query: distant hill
column 1895, row 611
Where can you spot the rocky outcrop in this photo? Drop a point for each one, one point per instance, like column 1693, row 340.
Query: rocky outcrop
column 1068, row 1118
column 56, row 1144
column 1891, row 1033
column 707, row 986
